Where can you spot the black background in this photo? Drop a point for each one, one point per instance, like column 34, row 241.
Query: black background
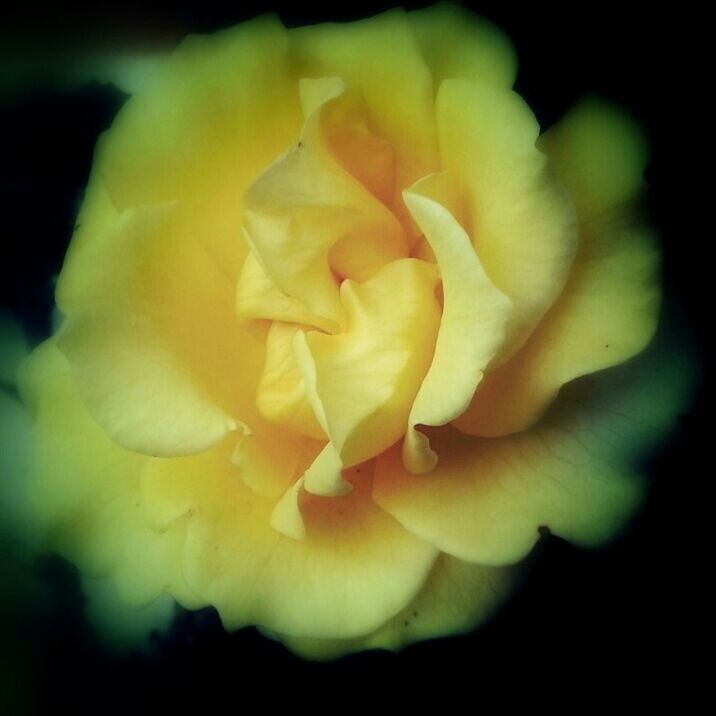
column 619, row 622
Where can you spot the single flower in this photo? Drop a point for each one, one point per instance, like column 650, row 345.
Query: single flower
column 341, row 334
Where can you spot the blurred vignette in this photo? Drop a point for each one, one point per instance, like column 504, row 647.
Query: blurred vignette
column 90, row 64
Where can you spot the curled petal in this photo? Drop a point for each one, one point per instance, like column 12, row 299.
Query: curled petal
column 354, row 569
column 521, row 222
column 472, row 328
column 577, row 472
column 362, row 383
column 609, row 308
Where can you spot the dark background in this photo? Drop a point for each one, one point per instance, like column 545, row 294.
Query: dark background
column 620, row 622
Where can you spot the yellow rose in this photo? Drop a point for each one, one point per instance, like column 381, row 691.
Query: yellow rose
column 324, row 313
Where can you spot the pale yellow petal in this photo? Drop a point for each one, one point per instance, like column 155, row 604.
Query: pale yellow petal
column 521, row 222
column 472, row 328
column 362, row 383
column 609, row 308
column 304, row 205
column 382, row 58
column 156, row 349
column 281, row 394
column 257, row 297
column 190, row 133
column 456, row 598
column 354, row 569
column 85, row 491
column 578, row 472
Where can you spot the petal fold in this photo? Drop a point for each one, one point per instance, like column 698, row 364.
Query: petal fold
column 609, row 308
column 472, row 328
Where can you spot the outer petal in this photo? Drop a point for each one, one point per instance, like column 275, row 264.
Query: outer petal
column 456, row 43
column 522, row 224
column 577, row 472
column 608, row 311
column 189, row 134
column 472, row 328
column 456, row 598
column 354, row 570
column 158, row 354
column 85, row 491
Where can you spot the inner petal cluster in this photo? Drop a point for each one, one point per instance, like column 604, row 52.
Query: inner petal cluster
column 378, row 324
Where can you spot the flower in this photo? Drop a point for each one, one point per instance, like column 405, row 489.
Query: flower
column 340, row 334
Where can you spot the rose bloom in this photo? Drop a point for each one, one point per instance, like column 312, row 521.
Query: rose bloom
column 339, row 334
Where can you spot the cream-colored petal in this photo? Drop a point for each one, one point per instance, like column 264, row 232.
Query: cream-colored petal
column 156, row 349
column 354, row 569
column 304, row 204
column 456, row 598
column 190, row 133
column 578, row 472
column 85, row 492
column 362, row 383
column 609, row 308
column 472, row 329
column 521, row 222
column 457, row 43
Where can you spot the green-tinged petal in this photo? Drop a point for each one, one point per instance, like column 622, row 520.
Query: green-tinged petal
column 522, row 224
column 472, row 328
column 13, row 348
column 457, row 43
column 609, row 308
column 457, row 597
column 121, row 627
column 355, row 568
column 362, row 383
column 600, row 154
column 151, row 334
column 16, row 520
column 579, row 471
column 189, row 133
column 85, row 491
column 304, row 205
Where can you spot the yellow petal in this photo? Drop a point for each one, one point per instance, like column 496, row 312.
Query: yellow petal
column 189, row 134
column 472, row 328
column 577, row 472
column 522, row 224
column 303, row 205
column 159, row 357
column 456, row 598
column 281, row 395
column 266, row 470
column 457, row 43
column 354, row 570
column 362, row 383
column 609, row 308
column 381, row 57
column 85, row 491
column 258, row 297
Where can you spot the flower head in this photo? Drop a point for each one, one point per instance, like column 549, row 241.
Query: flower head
column 340, row 333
